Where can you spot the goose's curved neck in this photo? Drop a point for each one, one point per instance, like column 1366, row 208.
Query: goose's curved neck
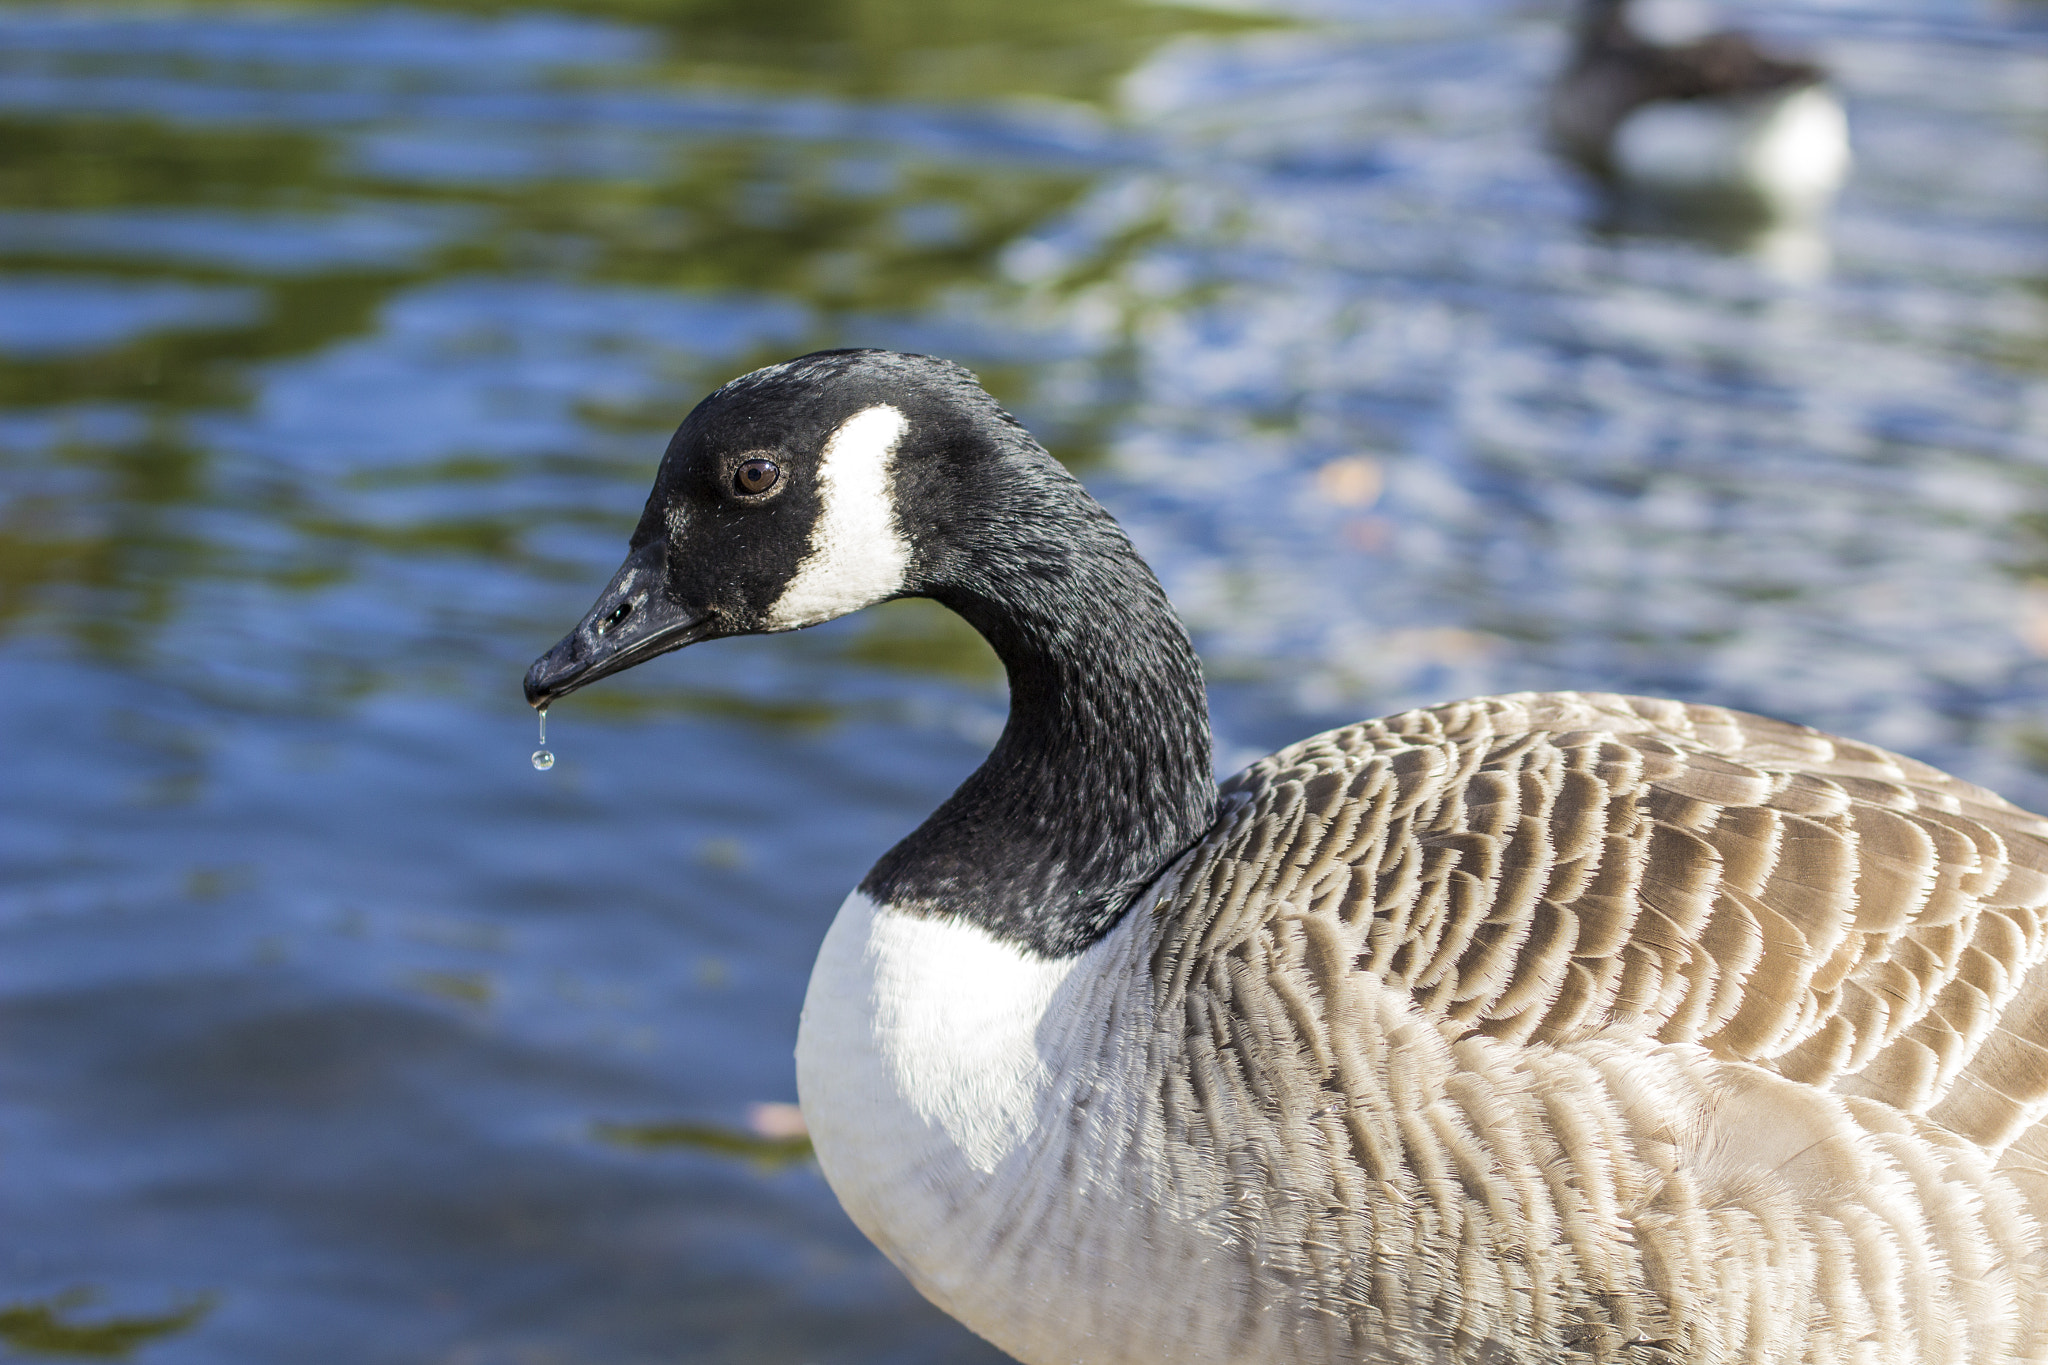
column 1103, row 773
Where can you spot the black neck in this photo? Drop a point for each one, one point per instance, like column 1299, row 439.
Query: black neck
column 1103, row 774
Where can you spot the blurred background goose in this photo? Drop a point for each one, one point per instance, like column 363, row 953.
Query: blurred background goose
column 1523, row 1028
column 1652, row 100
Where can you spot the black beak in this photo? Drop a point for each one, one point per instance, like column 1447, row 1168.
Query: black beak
column 632, row 622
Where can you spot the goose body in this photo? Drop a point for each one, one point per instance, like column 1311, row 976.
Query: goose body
column 1712, row 116
column 1530, row 1028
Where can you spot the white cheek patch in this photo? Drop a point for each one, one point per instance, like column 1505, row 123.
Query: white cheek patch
column 857, row 556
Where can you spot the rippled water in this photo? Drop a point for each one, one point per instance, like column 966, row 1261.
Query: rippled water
column 337, row 345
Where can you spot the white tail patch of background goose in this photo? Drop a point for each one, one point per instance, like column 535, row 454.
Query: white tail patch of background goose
column 857, row 555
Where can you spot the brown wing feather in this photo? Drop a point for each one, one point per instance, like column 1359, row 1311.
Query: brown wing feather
column 1544, row 866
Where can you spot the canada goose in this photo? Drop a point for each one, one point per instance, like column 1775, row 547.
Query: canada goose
column 1530, row 1028
column 1712, row 116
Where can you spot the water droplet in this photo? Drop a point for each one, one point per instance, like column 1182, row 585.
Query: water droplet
column 542, row 759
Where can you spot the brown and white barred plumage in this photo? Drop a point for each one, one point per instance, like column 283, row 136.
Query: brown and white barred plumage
column 1574, row 1026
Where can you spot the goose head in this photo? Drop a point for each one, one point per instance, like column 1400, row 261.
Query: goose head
column 814, row 488
column 777, row 507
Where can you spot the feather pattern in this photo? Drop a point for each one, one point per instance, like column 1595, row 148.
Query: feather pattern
column 1616, row 1028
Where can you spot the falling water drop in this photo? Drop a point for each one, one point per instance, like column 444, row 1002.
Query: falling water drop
column 542, row 759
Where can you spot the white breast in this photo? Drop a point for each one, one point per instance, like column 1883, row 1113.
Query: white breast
column 938, row 1016
column 973, row 1109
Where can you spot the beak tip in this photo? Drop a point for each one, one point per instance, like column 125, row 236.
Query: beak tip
column 544, row 680
column 536, row 692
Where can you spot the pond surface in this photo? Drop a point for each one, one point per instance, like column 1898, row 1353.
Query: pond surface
column 337, row 347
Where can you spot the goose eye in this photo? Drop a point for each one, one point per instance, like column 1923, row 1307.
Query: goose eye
column 756, row 476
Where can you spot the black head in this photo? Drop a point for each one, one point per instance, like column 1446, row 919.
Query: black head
column 817, row 487
column 776, row 507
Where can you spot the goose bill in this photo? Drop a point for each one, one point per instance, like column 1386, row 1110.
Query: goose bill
column 601, row 645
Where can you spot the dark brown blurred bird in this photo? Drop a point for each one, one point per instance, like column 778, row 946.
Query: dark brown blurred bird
column 1715, row 114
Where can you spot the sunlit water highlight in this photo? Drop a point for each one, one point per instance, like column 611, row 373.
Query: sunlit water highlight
column 337, row 346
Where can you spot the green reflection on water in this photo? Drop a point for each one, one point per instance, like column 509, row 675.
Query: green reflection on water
column 922, row 636
column 109, row 539
column 95, row 163
column 896, row 49
column 463, row 988
column 201, row 367
column 928, row 49
column 46, row 1328
column 793, row 229
column 769, row 1153
column 106, row 537
column 627, row 703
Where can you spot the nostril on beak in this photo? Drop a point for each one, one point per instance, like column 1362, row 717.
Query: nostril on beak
column 617, row 614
